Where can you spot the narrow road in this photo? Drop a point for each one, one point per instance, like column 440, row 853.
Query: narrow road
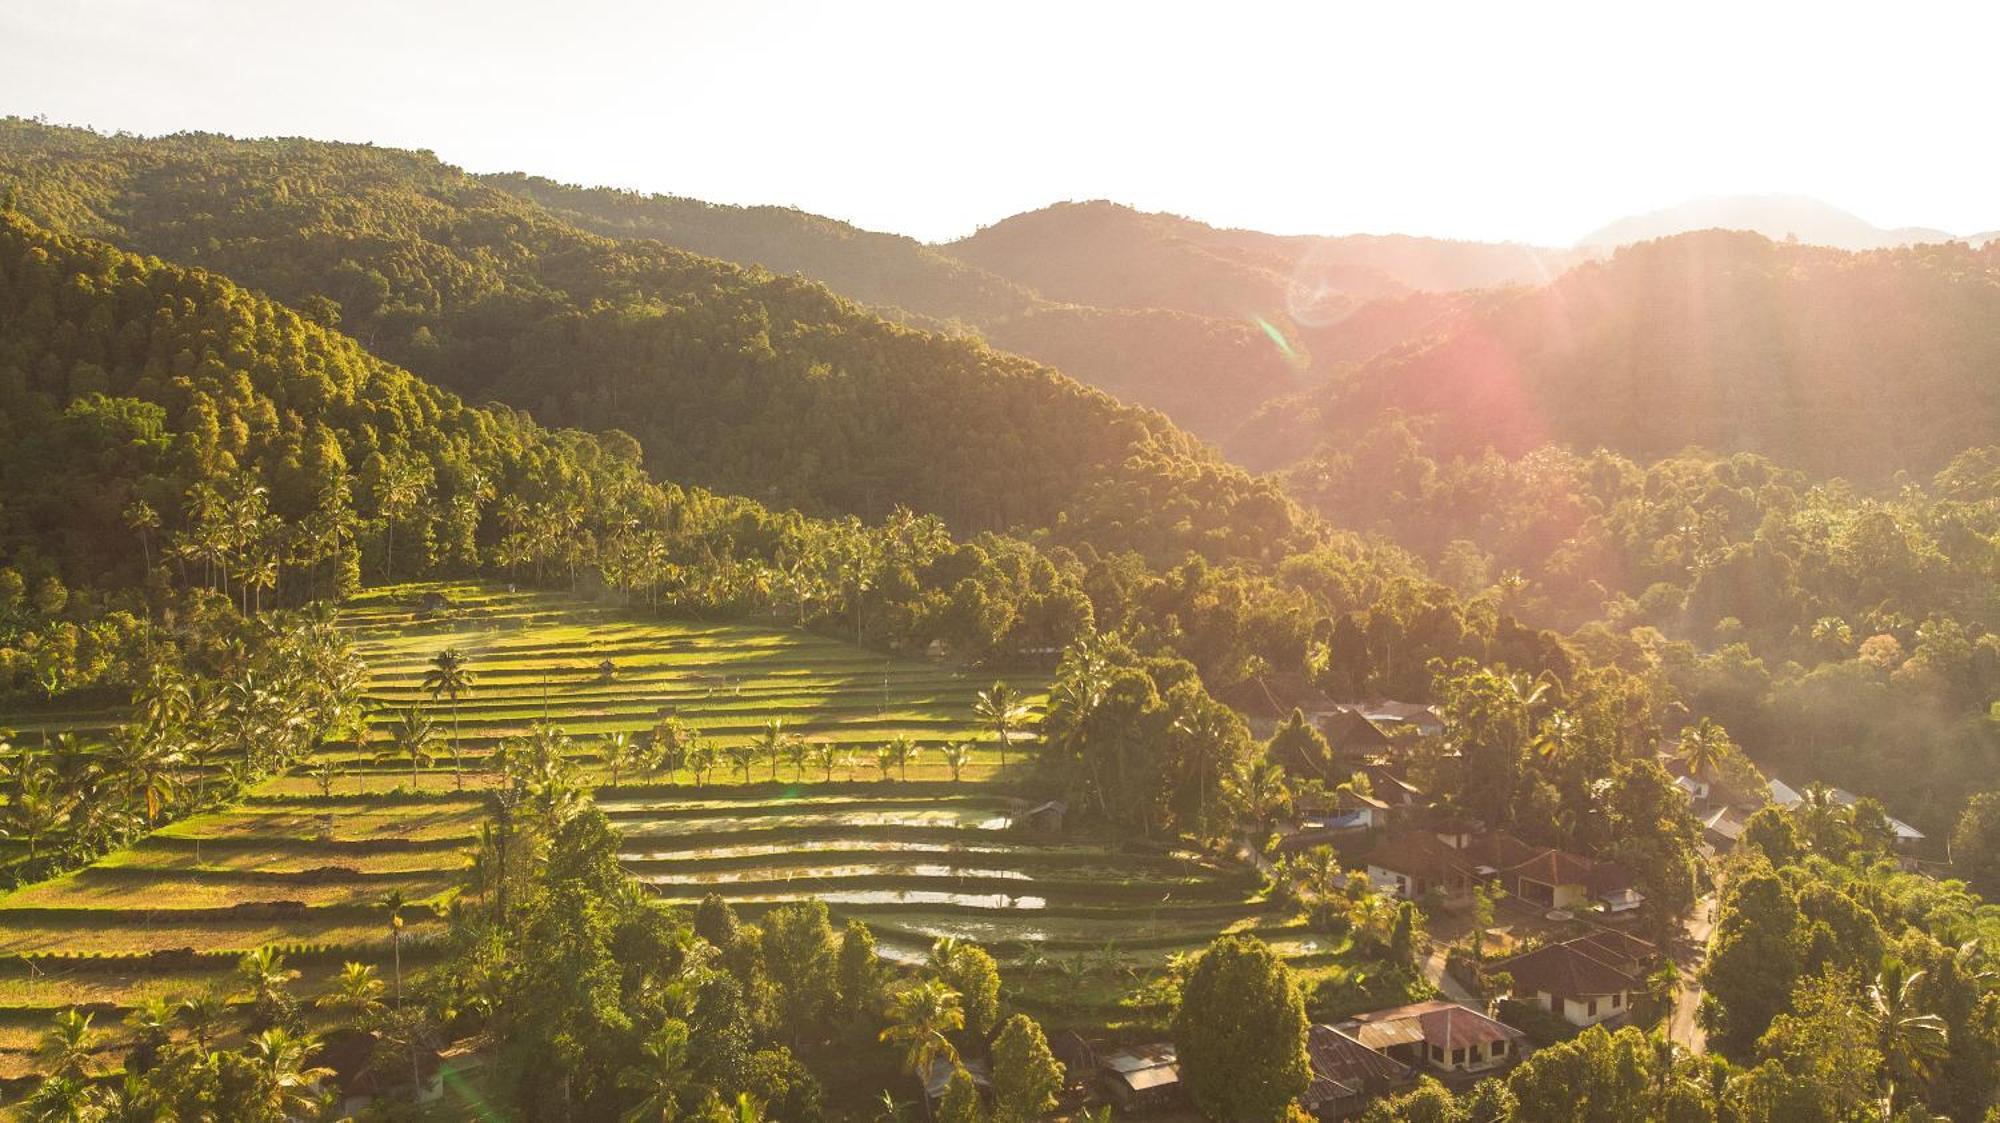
column 1688, row 953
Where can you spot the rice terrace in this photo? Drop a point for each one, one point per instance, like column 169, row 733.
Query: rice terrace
column 814, row 768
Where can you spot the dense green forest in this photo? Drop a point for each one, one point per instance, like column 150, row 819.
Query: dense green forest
column 1207, row 372
column 1228, row 321
column 757, row 385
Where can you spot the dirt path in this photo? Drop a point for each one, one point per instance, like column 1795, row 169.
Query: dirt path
column 1435, row 972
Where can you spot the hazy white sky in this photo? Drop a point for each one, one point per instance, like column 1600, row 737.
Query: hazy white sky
column 1529, row 121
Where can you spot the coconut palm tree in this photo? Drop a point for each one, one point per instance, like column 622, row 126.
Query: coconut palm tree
column 902, row 751
column 1259, row 786
column 824, row 757
column 449, row 677
column 771, row 744
column 66, row 1098
column 1203, row 736
column 267, row 980
column 356, row 996
column 1702, row 748
column 797, row 750
column 148, row 769
column 1002, row 711
column 742, row 758
column 291, row 1089
column 66, row 1048
column 618, row 753
column 394, row 903
column 1818, row 811
column 939, row 959
column 38, row 805
column 152, row 1026
column 921, row 1016
column 701, row 761
column 663, row 1079
column 202, row 1015
column 413, row 736
column 1912, row 1040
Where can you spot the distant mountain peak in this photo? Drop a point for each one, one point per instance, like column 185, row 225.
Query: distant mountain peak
column 1778, row 217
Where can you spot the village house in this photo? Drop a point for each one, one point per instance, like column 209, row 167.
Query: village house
column 1561, row 880
column 1451, row 859
column 1346, row 1074
column 1783, row 795
column 1586, row 981
column 1391, row 715
column 1441, row 1037
column 1721, row 829
column 1346, row 815
column 1267, row 700
column 1353, row 738
column 1141, row 1077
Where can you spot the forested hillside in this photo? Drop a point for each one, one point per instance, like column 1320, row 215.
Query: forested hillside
column 1206, row 372
column 763, row 386
column 156, row 421
column 1856, row 365
column 1108, row 254
column 885, row 270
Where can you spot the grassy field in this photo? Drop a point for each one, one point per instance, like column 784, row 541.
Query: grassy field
column 1084, row 926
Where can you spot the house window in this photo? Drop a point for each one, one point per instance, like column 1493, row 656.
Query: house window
column 1617, row 1000
column 1499, row 1048
column 1437, row 1053
column 1590, row 1008
column 1458, row 1056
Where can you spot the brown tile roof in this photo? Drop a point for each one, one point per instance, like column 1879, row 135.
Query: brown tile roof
column 1502, row 851
column 1567, row 970
column 1275, row 695
column 1619, row 948
column 1348, row 731
column 1446, row 1025
column 1422, row 854
column 1559, row 867
column 1342, row 1066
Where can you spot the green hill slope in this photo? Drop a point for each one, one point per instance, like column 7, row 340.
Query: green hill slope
column 1206, row 372
column 1858, row 365
column 733, row 379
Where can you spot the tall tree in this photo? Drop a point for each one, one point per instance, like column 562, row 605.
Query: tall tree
column 1241, row 1033
column 1000, row 709
column 450, row 677
column 923, row 1014
column 1026, row 1075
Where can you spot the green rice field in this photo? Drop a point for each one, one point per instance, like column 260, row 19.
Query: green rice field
column 913, row 852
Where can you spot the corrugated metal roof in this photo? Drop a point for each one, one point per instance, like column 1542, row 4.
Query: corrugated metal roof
column 1382, row 1035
